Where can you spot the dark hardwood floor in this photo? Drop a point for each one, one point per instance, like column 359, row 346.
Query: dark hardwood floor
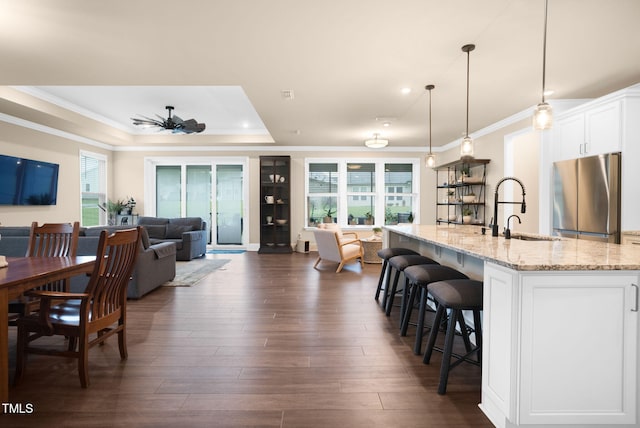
column 266, row 341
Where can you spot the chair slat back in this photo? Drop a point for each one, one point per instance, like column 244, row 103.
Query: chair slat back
column 115, row 259
column 53, row 240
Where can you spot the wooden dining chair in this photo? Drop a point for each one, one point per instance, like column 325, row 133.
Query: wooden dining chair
column 88, row 318
column 48, row 240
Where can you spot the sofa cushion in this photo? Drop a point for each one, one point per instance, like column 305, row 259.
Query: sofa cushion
column 143, row 221
column 175, row 231
column 194, row 222
column 156, row 231
column 15, row 231
column 144, row 238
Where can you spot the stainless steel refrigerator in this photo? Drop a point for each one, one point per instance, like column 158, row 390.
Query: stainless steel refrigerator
column 586, row 198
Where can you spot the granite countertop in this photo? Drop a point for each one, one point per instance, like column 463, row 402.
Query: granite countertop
column 550, row 254
column 631, row 232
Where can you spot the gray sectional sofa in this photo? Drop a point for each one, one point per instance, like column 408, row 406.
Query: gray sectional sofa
column 188, row 233
column 156, row 263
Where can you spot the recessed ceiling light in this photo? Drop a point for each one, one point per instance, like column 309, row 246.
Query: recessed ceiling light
column 405, row 91
column 287, row 94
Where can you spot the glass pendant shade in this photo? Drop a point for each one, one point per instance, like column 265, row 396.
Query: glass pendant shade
column 430, row 161
column 466, row 147
column 542, row 116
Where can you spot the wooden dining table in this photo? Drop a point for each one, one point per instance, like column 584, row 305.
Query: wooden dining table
column 26, row 273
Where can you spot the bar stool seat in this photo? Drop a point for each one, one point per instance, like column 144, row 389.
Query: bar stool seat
column 385, row 254
column 418, row 278
column 456, row 295
column 400, row 263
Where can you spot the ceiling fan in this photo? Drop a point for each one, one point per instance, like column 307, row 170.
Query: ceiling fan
column 174, row 124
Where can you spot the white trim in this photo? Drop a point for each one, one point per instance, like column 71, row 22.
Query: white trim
column 52, row 131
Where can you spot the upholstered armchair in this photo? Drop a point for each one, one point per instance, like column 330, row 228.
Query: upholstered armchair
column 330, row 248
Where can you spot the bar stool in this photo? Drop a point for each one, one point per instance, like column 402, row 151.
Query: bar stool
column 400, row 263
column 385, row 254
column 418, row 278
column 456, row 295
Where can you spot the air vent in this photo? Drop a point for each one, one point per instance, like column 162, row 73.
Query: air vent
column 287, row 94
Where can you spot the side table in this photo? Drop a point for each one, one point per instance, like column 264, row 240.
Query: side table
column 371, row 248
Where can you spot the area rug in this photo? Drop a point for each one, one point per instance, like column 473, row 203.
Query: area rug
column 225, row 251
column 189, row 273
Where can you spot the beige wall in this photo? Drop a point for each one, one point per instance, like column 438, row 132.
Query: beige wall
column 126, row 175
column 22, row 142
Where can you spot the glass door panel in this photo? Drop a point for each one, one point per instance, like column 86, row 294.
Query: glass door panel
column 168, row 191
column 229, row 204
column 198, row 194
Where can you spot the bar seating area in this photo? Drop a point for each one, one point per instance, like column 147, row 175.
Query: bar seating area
column 450, row 291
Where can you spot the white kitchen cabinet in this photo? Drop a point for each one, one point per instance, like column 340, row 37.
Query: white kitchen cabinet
column 593, row 131
column 630, row 239
column 545, row 332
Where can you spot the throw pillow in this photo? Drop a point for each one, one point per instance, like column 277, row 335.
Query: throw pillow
column 155, row 231
column 175, row 232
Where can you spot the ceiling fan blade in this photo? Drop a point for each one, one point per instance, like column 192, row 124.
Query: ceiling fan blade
column 177, row 119
column 190, row 126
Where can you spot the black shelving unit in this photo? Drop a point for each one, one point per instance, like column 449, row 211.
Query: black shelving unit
column 461, row 190
column 275, row 208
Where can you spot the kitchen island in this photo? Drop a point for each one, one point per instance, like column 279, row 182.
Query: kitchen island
column 560, row 323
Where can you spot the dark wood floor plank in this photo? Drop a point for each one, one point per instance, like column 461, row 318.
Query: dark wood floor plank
column 268, row 341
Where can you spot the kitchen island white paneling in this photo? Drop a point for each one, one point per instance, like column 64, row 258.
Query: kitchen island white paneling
column 560, row 324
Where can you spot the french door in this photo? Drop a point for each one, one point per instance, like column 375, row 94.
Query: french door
column 213, row 190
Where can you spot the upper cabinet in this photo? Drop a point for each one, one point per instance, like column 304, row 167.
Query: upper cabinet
column 604, row 125
column 593, row 131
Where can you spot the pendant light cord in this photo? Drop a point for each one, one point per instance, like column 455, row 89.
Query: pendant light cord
column 429, row 88
column 467, row 132
column 544, row 48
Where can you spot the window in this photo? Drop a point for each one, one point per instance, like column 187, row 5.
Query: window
column 93, row 192
column 398, row 179
column 322, row 192
column 361, row 192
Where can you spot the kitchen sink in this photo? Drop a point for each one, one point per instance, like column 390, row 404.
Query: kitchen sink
column 534, row 238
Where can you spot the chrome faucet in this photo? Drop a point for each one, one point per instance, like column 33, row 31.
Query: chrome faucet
column 523, row 204
column 507, row 231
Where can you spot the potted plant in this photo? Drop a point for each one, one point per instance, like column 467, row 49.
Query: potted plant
column 328, row 218
column 377, row 232
column 352, row 220
column 368, row 218
column 466, row 215
column 113, row 208
column 130, row 204
column 469, row 198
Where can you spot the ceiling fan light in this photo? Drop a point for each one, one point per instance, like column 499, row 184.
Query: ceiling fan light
column 543, row 116
column 376, row 143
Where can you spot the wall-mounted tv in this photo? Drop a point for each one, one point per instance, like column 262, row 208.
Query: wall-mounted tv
column 27, row 182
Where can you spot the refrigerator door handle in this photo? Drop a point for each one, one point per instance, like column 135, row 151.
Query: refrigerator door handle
column 635, row 308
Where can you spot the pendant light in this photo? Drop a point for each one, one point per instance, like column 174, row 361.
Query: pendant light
column 466, row 147
column 430, row 161
column 543, row 113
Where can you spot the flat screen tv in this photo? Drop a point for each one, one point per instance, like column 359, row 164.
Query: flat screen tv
column 27, row 182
